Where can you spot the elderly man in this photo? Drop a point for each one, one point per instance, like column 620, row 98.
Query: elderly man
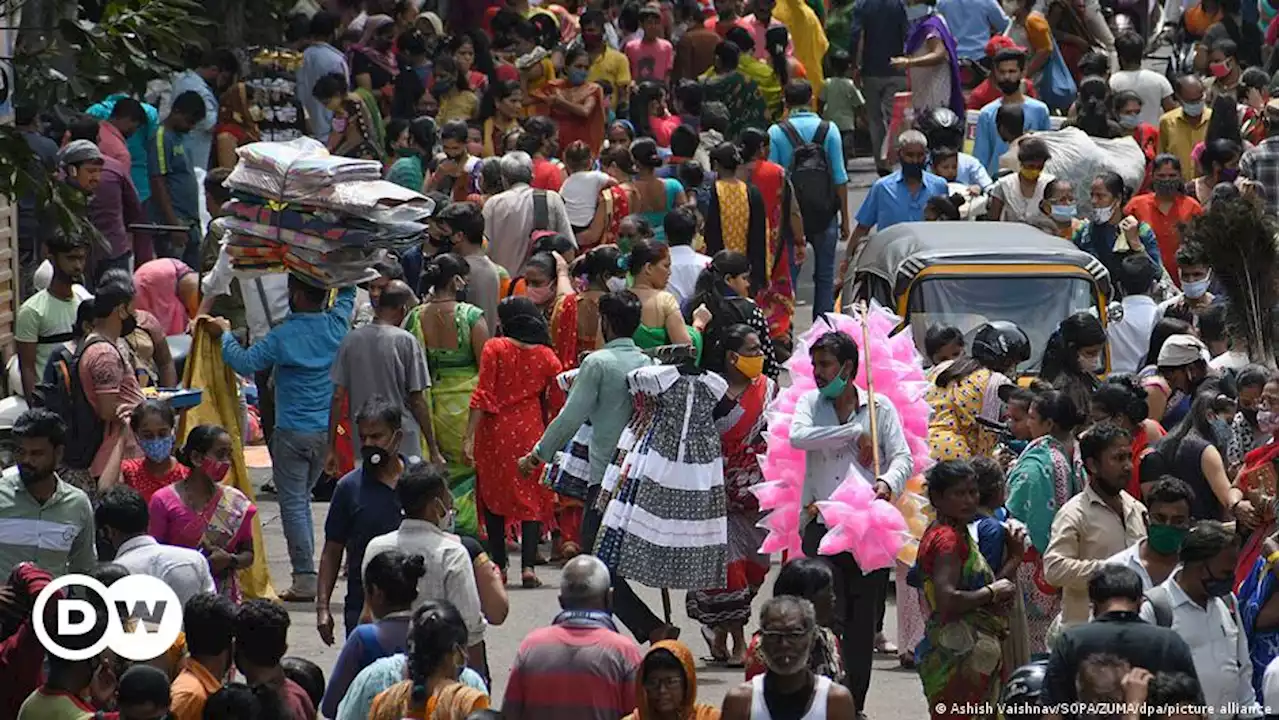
column 512, row 216
column 580, row 666
column 1182, row 128
column 897, row 197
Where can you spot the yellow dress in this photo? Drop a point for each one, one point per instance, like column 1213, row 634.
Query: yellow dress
column 807, row 36
column 954, row 432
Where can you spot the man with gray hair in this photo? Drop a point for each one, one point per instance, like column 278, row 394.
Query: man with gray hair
column 788, row 626
column 512, row 216
column 898, row 197
column 580, row 666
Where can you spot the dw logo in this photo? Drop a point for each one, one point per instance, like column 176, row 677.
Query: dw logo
column 148, row 600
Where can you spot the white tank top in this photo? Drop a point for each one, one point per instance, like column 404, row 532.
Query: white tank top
column 817, row 708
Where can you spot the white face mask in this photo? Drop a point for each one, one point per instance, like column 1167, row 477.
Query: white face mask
column 616, row 284
column 449, row 520
column 1103, row 215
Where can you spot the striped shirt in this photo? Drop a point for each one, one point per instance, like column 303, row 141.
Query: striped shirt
column 579, row 668
column 57, row 536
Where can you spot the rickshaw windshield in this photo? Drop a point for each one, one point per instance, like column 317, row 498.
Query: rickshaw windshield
column 1035, row 304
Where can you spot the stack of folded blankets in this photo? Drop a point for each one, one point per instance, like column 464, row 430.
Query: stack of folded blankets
column 325, row 218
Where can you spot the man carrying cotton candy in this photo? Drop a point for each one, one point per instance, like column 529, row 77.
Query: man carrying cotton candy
column 833, row 426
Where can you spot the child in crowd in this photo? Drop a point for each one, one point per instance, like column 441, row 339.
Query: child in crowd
column 943, row 343
column 581, row 190
column 840, row 98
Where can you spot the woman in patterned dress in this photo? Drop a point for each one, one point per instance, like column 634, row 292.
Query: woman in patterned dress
column 516, row 369
column 724, row 288
column 967, row 390
column 1047, row 474
column 616, row 201
column 740, row 419
column 777, row 298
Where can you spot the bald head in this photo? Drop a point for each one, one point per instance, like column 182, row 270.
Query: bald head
column 584, row 584
column 396, row 296
column 1190, row 89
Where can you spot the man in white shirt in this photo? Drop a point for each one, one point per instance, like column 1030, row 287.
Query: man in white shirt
column 681, row 225
column 830, row 426
column 1197, row 603
column 1129, row 337
column 1152, row 87
column 1155, row 557
column 511, row 216
column 427, row 530
column 122, row 516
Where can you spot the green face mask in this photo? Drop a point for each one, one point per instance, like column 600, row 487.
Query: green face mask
column 1166, row 539
column 835, row 388
column 406, row 152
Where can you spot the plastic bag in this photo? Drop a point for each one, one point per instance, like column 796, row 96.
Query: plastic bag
column 1078, row 158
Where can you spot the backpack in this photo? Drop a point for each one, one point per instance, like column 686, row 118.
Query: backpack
column 61, row 392
column 810, row 176
column 1162, row 605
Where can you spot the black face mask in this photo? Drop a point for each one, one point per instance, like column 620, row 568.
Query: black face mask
column 129, row 325
column 374, row 457
column 1008, row 87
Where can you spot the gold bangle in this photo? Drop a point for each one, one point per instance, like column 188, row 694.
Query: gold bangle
column 1273, row 557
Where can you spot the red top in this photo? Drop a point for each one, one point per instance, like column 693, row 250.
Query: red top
column 547, row 175
column 21, row 654
column 1140, row 449
column 1165, row 225
column 136, row 476
column 939, row 541
column 563, row 671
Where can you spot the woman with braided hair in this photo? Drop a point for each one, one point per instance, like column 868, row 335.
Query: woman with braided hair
column 437, row 654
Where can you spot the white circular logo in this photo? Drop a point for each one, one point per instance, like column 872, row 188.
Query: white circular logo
column 148, row 600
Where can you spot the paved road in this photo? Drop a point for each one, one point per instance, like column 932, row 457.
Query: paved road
column 894, row 693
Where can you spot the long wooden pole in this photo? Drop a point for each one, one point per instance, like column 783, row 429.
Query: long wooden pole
column 861, row 313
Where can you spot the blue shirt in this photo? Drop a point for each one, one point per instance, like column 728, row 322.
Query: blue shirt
column 139, row 143
column 360, row 510
column 170, row 162
column 890, row 201
column 972, row 23
column 969, row 171
column 806, row 124
column 319, row 60
column 301, row 349
column 988, row 146
column 885, row 23
column 199, row 142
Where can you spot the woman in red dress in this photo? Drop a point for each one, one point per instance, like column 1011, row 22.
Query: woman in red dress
column 777, row 298
column 506, row 420
column 152, row 423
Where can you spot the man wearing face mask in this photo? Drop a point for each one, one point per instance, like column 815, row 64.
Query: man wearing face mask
column 427, row 530
column 1196, row 602
column 383, row 360
column 1155, row 557
column 462, row 232
column 1182, row 128
column 364, row 506
column 1097, row 523
column 1008, row 71
column 1194, row 276
column 788, row 625
column 33, row 492
column 458, row 172
column 301, row 349
column 108, row 378
column 831, row 425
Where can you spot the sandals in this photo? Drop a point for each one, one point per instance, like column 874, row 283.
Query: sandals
column 717, row 655
column 292, row 595
column 529, row 579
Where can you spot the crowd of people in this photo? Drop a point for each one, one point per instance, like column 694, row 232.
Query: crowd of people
column 587, row 345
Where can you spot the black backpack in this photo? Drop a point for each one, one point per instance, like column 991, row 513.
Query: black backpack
column 61, row 392
column 810, row 175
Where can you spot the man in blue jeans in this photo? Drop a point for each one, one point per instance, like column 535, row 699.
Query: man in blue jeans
column 798, row 96
column 301, row 349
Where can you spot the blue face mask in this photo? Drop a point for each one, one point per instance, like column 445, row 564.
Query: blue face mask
column 1129, row 122
column 577, row 76
column 918, row 12
column 1063, row 213
column 835, row 388
column 157, row 449
column 1193, row 109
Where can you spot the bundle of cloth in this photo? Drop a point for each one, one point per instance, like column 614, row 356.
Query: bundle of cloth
column 1078, row 158
column 325, row 218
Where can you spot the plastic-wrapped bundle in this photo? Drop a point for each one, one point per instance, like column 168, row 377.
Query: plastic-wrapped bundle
column 1078, row 158
column 333, row 230
column 306, row 162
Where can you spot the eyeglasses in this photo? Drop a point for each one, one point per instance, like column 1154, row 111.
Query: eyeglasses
column 670, row 682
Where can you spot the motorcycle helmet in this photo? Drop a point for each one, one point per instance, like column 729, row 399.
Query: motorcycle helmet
column 942, row 127
column 1001, row 344
column 1024, row 692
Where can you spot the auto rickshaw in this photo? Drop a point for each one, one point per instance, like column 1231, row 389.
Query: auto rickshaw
column 965, row 274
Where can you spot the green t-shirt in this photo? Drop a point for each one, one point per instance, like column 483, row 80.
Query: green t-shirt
column 47, row 321
column 840, row 98
column 54, row 705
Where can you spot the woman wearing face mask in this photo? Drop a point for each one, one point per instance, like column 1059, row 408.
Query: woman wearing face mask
column 657, row 196
column 615, row 202
column 390, row 589
column 453, row 335
column 1127, row 106
column 437, row 654
column 372, row 61
column 930, row 62
column 452, row 91
column 1219, row 163
column 502, row 109
column 576, row 105
column 1073, row 357
column 723, row 288
column 1193, row 451
column 358, row 127
column 547, row 284
column 1247, row 432
column 740, row 419
column 1057, row 210
column 203, row 513
column 966, row 391
column 1110, row 233
column 1017, row 197
column 1257, row 481
column 1123, row 402
column 1165, row 208
column 966, row 597
column 516, row 369
column 1046, row 474
column 153, row 424
column 409, row 170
